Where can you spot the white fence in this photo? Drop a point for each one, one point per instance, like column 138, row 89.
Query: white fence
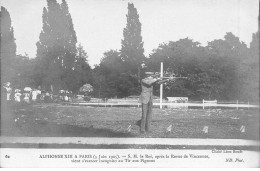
column 209, row 103
column 178, row 99
column 156, row 102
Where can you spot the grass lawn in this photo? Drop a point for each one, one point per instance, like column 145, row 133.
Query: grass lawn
column 74, row 121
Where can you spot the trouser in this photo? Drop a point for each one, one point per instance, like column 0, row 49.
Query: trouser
column 146, row 116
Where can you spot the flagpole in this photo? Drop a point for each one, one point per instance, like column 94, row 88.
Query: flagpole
column 161, row 87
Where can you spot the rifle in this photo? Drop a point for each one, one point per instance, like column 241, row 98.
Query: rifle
column 161, row 80
column 174, row 77
column 166, row 79
column 153, row 74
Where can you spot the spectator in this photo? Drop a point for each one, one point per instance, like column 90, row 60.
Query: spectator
column 8, row 89
column 66, row 97
column 26, row 96
column 47, row 98
column 35, row 94
column 17, row 95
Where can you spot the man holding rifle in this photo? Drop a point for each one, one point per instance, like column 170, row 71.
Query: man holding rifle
column 146, row 99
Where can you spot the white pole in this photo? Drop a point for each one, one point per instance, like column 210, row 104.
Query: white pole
column 161, row 87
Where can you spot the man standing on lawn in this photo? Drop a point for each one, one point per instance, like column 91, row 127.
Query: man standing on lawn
column 146, row 99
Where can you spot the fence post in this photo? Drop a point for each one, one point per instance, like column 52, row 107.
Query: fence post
column 203, row 103
column 237, row 104
column 248, row 104
column 105, row 102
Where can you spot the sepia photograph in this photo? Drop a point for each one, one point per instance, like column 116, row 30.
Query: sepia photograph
column 129, row 83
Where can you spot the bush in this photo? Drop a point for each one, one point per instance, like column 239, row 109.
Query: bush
column 87, row 98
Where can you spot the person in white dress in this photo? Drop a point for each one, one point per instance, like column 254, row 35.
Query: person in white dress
column 35, row 94
column 66, row 97
column 26, row 97
column 17, row 95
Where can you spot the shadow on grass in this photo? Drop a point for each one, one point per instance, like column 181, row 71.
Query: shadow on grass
column 52, row 129
column 30, row 127
column 64, row 130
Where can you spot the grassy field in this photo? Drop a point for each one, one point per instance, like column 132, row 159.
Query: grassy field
column 64, row 121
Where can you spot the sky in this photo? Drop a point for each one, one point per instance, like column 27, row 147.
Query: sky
column 99, row 24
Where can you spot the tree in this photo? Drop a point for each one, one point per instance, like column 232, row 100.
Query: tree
column 220, row 70
column 118, row 74
column 111, row 68
column 86, row 88
column 23, row 71
column 132, row 45
column 251, row 80
column 111, row 79
column 233, row 67
column 8, row 46
column 69, row 36
column 56, row 48
column 181, row 58
column 81, row 70
column 99, row 83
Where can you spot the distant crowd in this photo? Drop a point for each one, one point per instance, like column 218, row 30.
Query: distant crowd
column 28, row 95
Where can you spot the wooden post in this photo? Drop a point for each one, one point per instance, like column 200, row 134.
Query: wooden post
column 203, row 103
column 161, row 87
column 237, row 104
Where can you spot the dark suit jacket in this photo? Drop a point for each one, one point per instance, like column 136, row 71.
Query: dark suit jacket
column 147, row 89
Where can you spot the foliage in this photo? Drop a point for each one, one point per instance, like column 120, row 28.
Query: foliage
column 223, row 70
column 107, row 75
column 23, row 71
column 56, row 48
column 132, row 51
column 81, row 71
column 8, row 47
column 226, row 69
column 86, row 88
column 86, row 98
column 99, row 83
